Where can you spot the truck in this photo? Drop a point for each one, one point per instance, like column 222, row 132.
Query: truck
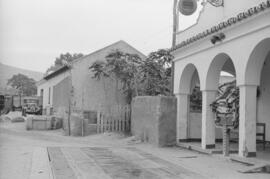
column 32, row 105
column 26, row 104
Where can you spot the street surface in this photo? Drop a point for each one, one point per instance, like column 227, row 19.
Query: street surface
column 49, row 154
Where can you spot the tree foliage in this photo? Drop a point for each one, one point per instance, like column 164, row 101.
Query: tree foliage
column 25, row 85
column 150, row 76
column 121, row 67
column 63, row 59
column 156, row 73
column 226, row 105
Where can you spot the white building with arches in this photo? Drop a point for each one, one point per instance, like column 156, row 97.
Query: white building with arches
column 234, row 38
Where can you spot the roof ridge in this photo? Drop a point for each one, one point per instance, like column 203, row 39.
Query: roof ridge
column 96, row 51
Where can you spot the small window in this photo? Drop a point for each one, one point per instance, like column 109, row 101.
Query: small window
column 91, row 116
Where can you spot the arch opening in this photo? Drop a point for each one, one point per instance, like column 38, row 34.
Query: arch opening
column 221, row 77
column 257, row 73
column 256, row 62
column 263, row 109
column 190, row 87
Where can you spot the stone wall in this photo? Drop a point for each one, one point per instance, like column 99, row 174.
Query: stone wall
column 153, row 119
column 78, row 125
column 36, row 122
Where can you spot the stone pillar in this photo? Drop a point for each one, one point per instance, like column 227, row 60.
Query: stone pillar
column 247, row 126
column 182, row 117
column 208, row 119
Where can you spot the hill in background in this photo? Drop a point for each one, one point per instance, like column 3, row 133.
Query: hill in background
column 6, row 72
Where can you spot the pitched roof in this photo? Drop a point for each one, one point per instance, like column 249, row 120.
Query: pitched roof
column 66, row 67
column 225, row 24
column 57, row 72
column 106, row 47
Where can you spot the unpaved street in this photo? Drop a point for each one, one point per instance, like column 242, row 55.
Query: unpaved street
column 49, row 154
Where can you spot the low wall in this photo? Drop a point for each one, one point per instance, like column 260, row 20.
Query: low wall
column 153, row 119
column 78, row 126
column 89, row 128
column 43, row 123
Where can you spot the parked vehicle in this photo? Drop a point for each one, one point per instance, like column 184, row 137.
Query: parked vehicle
column 26, row 104
column 2, row 103
column 32, row 105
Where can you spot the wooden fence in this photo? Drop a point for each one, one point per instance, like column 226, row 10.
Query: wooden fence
column 116, row 119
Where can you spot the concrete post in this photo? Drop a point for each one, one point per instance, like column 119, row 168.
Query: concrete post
column 182, row 117
column 208, row 119
column 247, row 126
column 226, row 141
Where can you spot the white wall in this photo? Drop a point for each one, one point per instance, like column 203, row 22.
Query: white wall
column 89, row 93
column 211, row 16
column 46, row 84
column 263, row 112
column 246, row 43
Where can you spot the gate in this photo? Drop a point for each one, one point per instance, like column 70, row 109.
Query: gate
column 114, row 119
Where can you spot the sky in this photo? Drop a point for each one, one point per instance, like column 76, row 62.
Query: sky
column 34, row 32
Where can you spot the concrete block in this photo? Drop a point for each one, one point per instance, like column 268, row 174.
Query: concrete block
column 17, row 119
column 153, row 119
column 29, row 122
column 89, row 128
column 76, row 125
column 36, row 122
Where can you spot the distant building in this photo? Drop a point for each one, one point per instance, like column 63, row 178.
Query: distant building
column 234, row 38
column 73, row 86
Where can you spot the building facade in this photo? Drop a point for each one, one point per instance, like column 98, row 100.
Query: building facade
column 234, row 38
column 45, row 87
column 91, row 94
column 73, row 89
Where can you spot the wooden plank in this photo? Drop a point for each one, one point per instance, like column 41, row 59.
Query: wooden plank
column 117, row 125
column 101, row 124
column 98, row 122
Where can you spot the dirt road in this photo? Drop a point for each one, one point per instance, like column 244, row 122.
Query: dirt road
column 49, row 154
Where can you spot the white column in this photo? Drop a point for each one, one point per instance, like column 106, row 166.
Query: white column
column 182, row 117
column 247, row 126
column 208, row 119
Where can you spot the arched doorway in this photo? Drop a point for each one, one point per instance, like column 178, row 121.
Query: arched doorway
column 255, row 117
column 221, row 72
column 189, row 106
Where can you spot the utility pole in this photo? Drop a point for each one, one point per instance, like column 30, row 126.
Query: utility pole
column 69, row 99
column 175, row 23
column 175, row 29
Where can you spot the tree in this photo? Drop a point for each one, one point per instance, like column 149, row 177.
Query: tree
column 25, row 85
column 121, row 67
column 150, row 76
column 155, row 73
column 63, row 59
